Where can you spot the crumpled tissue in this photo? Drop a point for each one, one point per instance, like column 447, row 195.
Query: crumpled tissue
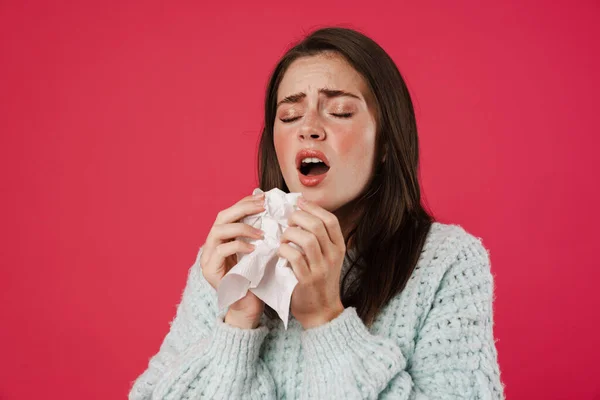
column 262, row 271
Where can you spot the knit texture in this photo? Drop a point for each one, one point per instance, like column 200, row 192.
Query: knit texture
column 434, row 340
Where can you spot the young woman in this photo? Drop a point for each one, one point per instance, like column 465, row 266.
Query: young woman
column 389, row 304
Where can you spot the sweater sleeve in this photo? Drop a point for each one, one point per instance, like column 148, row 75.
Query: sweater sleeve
column 454, row 357
column 203, row 357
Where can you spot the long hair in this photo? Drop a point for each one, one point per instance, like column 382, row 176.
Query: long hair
column 390, row 231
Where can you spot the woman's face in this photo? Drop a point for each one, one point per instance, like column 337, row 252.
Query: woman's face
column 325, row 105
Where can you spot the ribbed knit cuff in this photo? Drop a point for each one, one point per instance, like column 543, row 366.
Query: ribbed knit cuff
column 333, row 338
column 345, row 342
column 235, row 345
column 225, row 364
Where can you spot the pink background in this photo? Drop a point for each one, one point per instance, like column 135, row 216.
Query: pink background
column 125, row 127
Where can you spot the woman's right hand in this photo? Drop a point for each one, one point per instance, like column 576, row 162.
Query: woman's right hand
column 219, row 256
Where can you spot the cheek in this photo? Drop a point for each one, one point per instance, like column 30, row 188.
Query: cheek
column 357, row 149
column 346, row 145
column 283, row 149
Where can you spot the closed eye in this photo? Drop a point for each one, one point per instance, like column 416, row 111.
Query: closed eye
column 337, row 115
column 343, row 115
column 286, row 120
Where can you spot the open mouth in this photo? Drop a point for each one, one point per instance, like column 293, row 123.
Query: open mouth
column 313, row 167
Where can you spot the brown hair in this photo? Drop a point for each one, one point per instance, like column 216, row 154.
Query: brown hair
column 391, row 229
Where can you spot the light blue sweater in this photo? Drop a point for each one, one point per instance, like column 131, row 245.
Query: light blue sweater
column 432, row 341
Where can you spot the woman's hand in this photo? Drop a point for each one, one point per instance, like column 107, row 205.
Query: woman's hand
column 218, row 256
column 316, row 298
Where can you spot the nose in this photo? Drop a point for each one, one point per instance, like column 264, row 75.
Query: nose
column 312, row 129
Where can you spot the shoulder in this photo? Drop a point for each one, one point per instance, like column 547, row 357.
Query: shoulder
column 453, row 260
column 453, row 270
column 447, row 246
column 447, row 239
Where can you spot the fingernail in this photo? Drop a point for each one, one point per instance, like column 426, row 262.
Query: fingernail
column 301, row 201
column 259, row 195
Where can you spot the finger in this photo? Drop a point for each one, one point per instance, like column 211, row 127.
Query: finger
column 240, row 210
column 307, row 242
column 224, row 250
column 252, row 197
column 296, row 260
column 311, row 223
column 329, row 220
column 222, row 233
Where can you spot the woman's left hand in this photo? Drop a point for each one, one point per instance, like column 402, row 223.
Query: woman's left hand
column 316, row 298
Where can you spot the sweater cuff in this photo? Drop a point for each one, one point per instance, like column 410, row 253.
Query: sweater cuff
column 346, row 341
column 225, row 364
column 231, row 344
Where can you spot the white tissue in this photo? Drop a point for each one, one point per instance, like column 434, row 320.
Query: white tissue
column 263, row 272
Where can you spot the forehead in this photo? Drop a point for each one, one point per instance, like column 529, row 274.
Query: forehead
column 331, row 71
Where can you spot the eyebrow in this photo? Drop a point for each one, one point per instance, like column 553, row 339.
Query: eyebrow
column 329, row 93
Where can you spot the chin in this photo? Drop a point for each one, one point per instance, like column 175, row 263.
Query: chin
column 319, row 195
column 313, row 195
column 322, row 201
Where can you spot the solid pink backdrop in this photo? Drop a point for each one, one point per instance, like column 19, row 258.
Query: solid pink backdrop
column 125, row 127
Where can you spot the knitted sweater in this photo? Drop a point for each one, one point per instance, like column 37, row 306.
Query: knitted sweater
column 434, row 340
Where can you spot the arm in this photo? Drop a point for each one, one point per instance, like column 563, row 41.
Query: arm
column 454, row 358
column 201, row 356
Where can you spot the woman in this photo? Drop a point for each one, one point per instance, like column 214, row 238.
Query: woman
column 389, row 304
